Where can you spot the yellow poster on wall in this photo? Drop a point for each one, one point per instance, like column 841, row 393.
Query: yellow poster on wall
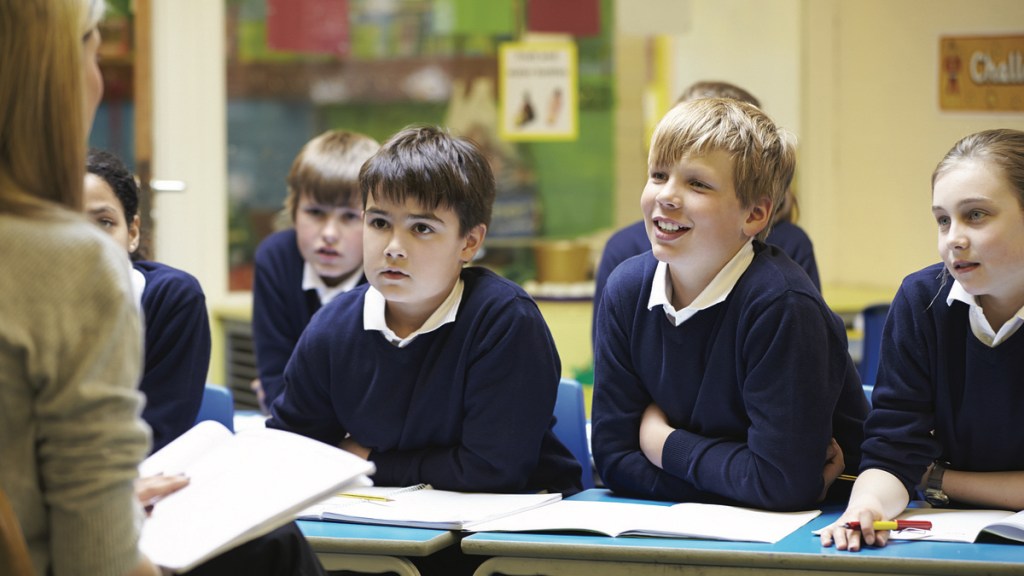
column 538, row 91
column 981, row 73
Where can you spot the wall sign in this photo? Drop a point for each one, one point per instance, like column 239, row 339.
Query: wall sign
column 538, row 98
column 981, row 73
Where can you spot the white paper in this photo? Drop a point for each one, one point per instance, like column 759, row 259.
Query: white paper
column 429, row 508
column 241, row 486
column 958, row 525
column 687, row 520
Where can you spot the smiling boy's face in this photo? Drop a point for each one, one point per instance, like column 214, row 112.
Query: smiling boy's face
column 695, row 220
column 413, row 255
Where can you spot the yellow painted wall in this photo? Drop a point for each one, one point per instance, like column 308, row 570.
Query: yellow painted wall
column 873, row 131
column 569, row 323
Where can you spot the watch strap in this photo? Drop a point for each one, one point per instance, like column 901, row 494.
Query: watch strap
column 933, row 490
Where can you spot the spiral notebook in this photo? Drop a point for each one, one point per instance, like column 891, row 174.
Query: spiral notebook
column 421, row 506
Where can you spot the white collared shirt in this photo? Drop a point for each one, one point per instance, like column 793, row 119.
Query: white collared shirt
column 716, row 291
column 979, row 324
column 373, row 315
column 312, row 281
column 138, row 286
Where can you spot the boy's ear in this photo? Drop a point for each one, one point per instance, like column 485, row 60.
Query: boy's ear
column 473, row 240
column 758, row 217
column 134, row 234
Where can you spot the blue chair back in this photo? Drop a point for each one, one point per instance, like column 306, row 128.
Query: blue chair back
column 874, row 320
column 219, row 405
column 571, row 425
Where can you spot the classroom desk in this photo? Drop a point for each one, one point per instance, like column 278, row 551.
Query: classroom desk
column 799, row 553
column 372, row 549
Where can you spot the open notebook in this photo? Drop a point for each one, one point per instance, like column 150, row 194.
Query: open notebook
column 687, row 520
column 950, row 525
column 422, row 507
column 235, row 492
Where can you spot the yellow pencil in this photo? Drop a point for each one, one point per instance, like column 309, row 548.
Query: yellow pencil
column 364, row 497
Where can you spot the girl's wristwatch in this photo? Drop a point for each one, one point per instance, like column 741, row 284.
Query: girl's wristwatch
column 933, row 490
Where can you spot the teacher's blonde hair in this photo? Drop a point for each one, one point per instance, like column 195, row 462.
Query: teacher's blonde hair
column 42, row 126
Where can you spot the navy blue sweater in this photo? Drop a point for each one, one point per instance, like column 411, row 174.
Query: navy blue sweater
column 756, row 386
column 177, row 350
column 632, row 240
column 465, row 407
column 797, row 245
column 934, row 374
column 281, row 309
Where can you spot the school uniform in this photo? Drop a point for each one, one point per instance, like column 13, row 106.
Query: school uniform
column 177, row 355
column 797, row 245
column 282, row 552
column 282, row 307
column 633, row 240
column 756, row 377
column 464, row 406
column 623, row 244
column 939, row 372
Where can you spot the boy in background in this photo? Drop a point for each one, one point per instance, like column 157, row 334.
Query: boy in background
column 721, row 375
column 300, row 269
column 435, row 372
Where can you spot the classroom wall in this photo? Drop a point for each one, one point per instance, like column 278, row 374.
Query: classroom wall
column 751, row 43
column 190, row 141
column 872, row 128
column 857, row 82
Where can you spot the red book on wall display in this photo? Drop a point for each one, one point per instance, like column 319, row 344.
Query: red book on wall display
column 311, row 26
column 576, row 17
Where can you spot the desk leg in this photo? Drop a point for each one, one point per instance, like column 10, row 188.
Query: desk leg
column 367, row 563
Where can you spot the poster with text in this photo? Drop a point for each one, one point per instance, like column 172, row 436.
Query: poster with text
column 981, row 73
column 539, row 94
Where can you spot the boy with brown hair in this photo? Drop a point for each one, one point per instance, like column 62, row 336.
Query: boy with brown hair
column 436, row 372
column 300, row 269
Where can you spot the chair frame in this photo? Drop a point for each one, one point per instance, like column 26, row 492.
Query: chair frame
column 212, row 407
column 570, row 405
column 874, row 321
